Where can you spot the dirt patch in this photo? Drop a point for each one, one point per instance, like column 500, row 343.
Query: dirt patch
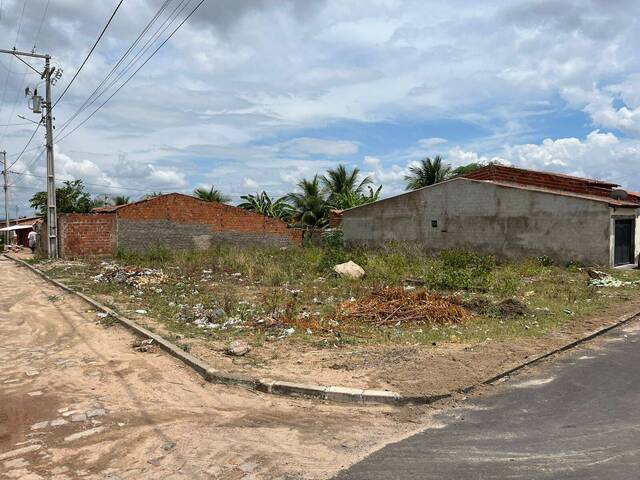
column 512, row 307
column 77, row 401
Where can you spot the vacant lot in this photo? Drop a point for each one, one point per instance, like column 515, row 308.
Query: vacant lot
column 416, row 323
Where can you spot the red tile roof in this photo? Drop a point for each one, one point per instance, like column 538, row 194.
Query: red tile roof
column 564, row 193
column 552, row 183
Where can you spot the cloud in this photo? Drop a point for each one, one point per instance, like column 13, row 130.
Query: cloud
column 276, row 90
column 305, row 146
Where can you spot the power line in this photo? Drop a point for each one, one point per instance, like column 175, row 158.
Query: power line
column 30, row 164
column 27, row 144
column 90, row 52
column 24, row 5
column 85, row 183
column 15, row 124
column 135, row 72
column 94, row 96
column 27, row 150
column 44, row 15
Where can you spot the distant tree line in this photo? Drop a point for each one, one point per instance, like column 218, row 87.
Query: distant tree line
column 339, row 189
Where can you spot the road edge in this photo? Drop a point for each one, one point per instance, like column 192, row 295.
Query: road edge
column 293, row 389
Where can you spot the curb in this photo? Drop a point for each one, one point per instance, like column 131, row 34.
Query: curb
column 330, row 393
column 302, row 390
column 596, row 333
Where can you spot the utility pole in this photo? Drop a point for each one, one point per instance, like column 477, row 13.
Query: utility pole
column 6, row 196
column 46, row 75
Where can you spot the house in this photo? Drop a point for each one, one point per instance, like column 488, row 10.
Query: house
column 510, row 212
column 173, row 220
column 21, row 229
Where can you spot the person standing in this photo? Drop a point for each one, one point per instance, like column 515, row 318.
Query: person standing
column 32, row 237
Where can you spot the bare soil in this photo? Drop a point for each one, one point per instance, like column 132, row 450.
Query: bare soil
column 77, row 402
column 409, row 369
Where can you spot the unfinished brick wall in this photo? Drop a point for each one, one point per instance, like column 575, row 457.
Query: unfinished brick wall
column 542, row 179
column 85, row 234
column 335, row 218
column 184, row 222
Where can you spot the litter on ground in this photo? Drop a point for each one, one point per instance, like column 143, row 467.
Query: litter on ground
column 603, row 279
column 136, row 277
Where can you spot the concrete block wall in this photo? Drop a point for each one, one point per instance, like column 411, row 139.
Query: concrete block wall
column 184, row 222
column 509, row 222
column 86, row 234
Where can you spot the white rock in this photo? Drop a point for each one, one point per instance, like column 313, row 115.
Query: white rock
column 238, row 348
column 349, row 270
column 83, row 434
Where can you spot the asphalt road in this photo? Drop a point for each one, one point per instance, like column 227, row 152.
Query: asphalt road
column 573, row 418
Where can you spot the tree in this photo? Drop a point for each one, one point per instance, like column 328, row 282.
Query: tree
column 309, row 205
column 120, row 200
column 70, row 198
column 151, row 195
column 340, row 181
column 464, row 169
column 211, row 195
column 263, row 204
column 342, row 201
column 428, row 172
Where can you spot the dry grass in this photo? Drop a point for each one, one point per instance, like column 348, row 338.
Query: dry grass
column 266, row 290
column 398, row 306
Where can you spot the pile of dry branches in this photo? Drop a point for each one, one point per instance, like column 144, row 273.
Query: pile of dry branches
column 396, row 305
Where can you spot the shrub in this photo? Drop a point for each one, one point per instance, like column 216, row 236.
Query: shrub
column 461, row 270
column 545, row 261
column 333, row 238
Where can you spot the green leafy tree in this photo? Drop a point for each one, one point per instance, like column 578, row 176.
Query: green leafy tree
column 428, row 172
column 211, row 195
column 70, row 198
column 465, row 169
column 309, row 204
column 263, row 204
column 120, row 200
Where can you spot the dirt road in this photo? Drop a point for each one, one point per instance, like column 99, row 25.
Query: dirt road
column 77, row 402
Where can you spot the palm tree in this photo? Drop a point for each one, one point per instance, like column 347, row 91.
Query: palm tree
column 309, row 205
column 211, row 195
column 342, row 201
column 340, row 181
column 120, row 200
column 429, row 172
column 151, row 195
column 263, row 204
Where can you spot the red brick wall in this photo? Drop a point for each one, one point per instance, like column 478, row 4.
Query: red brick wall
column 542, row 179
column 335, row 218
column 181, row 209
column 85, row 234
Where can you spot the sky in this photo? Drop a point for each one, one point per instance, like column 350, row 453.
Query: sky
column 252, row 95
